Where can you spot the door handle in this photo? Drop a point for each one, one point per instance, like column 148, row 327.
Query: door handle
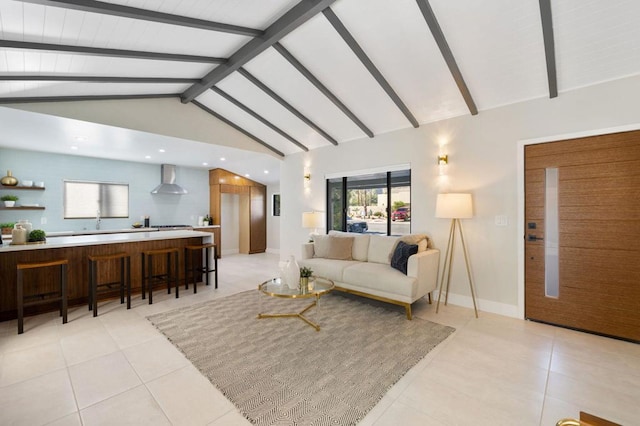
column 532, row 237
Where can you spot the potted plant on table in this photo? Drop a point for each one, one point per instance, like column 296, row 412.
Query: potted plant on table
column 305, row 274
column 37, row 236
column 9, row 200
column 6, row 227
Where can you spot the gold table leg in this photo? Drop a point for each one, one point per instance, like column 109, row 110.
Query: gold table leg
column 297, row 315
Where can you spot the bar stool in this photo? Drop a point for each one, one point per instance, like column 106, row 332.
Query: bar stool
column 171, row 271
column 192, row 268
column 124, row 283
column 62, row 295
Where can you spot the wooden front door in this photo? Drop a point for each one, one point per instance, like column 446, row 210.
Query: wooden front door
column 595, row 239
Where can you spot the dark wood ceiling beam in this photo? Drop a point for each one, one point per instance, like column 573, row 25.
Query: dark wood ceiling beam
column 368, row 64
column 146, row 15
column 98, row 79
column 445, row 50
column 259, row 117
column 292, row 19
column 96, row 51
column 286, row 105
column 41, row 99
column 322, row 88
column 549, row 46
column 235, row 126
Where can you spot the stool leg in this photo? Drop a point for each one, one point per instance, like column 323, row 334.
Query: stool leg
column 169, row 273
column 149, row 281
column 94, row 289
column 20, row 301
column 90, row 285
column 186, row 269
column 177, row 273
column 128, row 277
column 215, row 263
column 122, row 284
column 143, row 276
column 63, row 278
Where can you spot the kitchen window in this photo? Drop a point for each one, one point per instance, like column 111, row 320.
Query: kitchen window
column 84, row 199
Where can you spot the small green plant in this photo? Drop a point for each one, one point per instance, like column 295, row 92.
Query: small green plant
column 305, row 272
column 37, row 235
column 9, row 198
column 7, row 225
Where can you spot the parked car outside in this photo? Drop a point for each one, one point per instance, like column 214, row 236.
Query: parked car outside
column 401, row 213
column 359, row 226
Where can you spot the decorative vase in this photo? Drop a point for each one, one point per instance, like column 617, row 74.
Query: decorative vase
column 26, row 225
column 291, row 274
column 9, row 180
column 19, row 235
column 304, row 283
column 9, row 203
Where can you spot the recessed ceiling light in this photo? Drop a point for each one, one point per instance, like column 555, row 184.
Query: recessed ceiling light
column 222, row 159
column 247, row 175
column 161, row 150
column 205, row 164
column 74, row 147
column 266, row 172
column 236, row 177
column 147, row 156
column 80, row 138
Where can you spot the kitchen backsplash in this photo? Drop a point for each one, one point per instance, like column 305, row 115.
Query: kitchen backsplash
column 52, row 169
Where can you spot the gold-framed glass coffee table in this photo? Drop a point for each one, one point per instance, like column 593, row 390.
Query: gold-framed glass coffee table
column 317, row 287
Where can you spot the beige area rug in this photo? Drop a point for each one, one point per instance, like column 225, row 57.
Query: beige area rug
column 281, row 371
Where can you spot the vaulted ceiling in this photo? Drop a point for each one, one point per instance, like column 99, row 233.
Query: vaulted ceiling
column 297, row 75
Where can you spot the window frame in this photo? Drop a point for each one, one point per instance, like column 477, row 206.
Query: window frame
column 103, row 207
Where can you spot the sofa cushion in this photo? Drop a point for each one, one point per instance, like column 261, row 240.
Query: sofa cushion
column 360, row 249
column 380, row 249
column 327, row 268
column 320, row 246
column 401, row 255
column 340, row 248
column 422, row 240
column 382, row 278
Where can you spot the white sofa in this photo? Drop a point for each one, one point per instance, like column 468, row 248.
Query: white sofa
column 367, row 270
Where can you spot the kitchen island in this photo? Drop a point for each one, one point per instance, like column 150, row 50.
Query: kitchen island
column 76, row 249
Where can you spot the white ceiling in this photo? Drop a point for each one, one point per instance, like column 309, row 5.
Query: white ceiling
column 497, row 44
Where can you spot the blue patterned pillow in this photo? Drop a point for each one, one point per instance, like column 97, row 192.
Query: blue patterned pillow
column 401, row 256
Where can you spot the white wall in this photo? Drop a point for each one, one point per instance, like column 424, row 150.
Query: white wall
column 52, row 169
column 230, row 223
column 482, row 153
column 273, row 222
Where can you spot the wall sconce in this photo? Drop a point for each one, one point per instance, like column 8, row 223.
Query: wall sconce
column 307, row 177
column 443, row 160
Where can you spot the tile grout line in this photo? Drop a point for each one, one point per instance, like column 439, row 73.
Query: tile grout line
column 546, row 383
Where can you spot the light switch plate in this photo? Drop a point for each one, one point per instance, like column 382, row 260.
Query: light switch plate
column 501, row 220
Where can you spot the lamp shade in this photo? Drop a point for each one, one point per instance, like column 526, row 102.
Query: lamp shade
column 454, row 206
column 312, row 220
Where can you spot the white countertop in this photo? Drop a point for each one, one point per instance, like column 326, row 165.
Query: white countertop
column 98, row 231
column 207, row 226
column 90, row 240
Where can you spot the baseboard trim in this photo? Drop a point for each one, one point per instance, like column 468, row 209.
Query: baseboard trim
column 483, row 305
column 273, row 251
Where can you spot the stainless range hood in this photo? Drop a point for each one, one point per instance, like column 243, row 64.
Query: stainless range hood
column 168, row 185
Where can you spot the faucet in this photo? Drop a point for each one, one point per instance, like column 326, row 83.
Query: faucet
column 98, row 219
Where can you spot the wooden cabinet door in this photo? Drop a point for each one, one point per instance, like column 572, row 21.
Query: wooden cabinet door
column 258, row 220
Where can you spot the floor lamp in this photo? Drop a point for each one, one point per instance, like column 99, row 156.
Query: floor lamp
column 454, row 207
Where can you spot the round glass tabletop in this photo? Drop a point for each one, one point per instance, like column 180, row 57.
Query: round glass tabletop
column 316, row 287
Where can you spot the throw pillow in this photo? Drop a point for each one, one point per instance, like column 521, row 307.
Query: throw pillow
column 400, row 258
column 321, row 246
column 381, row 249
column 340, row 248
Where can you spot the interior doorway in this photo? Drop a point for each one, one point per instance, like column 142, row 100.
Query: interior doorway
column 581, row 228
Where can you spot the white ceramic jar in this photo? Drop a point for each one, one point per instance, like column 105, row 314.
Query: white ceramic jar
column 18, row 235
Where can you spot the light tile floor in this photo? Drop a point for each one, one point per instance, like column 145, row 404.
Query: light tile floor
column 118, row 369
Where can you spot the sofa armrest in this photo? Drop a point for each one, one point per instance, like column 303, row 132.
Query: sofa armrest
column 424, row 267
column 307, row 251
